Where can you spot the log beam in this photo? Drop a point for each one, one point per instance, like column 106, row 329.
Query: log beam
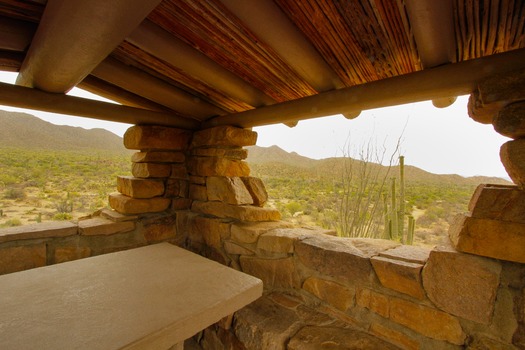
column 440, row 82
column 159, row 43
column 73, row 37
column 154, row 89
column 433, row 27
column 22, row 97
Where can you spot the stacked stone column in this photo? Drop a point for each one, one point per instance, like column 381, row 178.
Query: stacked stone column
column 220, row 182
column 160, row 180
column 495, row 224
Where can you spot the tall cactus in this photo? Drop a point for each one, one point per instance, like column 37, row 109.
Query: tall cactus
column 394, row 234
column 395, row 217
column 401, row 212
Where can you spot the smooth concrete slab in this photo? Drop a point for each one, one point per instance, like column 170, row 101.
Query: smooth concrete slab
column 146, row 298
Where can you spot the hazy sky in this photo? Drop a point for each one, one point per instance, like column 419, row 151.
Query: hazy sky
column 442, row 141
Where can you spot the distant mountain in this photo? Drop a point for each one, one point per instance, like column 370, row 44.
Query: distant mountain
column 274, row 161
column 275, row 154
column 22, row 130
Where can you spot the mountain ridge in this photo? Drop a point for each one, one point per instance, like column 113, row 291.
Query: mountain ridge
column 23, row 130
column 263, row 157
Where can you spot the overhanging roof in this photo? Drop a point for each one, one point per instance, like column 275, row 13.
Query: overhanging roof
column 192, row 63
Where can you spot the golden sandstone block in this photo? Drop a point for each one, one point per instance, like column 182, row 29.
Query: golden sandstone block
column 127, row 205
column 224, row 136
column 152, row 137
column 140, row 188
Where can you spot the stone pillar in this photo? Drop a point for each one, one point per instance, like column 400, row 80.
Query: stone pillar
column 202, row 176
column 222, row 193
column 220, row 182
column 495, row 224
column 160, row 180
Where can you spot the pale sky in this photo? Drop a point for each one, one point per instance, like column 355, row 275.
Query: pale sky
column 441, row 141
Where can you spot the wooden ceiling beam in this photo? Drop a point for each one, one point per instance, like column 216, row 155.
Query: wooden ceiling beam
column 154, row 89
column 11, row 61
column 15, row 35
column 159, row 43
column 274, row 28
column 114, row 93
column 23, row 97
column 73, row 37
column 450, row 80
column 432, row 23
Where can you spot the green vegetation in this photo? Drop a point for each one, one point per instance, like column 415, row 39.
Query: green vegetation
column 312, row 194
column 41, row 185
column 37, row 185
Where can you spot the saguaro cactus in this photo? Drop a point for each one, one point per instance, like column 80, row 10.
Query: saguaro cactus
column 395, row 215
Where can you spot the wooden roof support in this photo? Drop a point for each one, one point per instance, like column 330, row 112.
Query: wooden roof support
column 124, row 97
column 270, row 24
column 441, row 82
column 159, row 43
column 22, row 97
column 433, row 27
column 75, row 36
column 15, row 35
column 154, row 89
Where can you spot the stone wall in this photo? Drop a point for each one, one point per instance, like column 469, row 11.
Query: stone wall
column 36, row 245
column 320, row 290
column 320, row 287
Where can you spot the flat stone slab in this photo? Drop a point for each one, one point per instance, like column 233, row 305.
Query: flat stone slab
column 147, row 298
column 241, row 212
column 151, row 170
column 99, row 226
column 139, row 188
column 401, row 276
column 408, row 253
column 127, row 205
column 43, row 230
column 314, row 338
column 153, row 137
column 216, row 166
column 158, row 157
column 490, row 238
column 224, row 136
column 116, row 216
column 498, row 202
column 341, row 257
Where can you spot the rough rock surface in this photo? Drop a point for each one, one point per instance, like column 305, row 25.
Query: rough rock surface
column 512, row 155
column 401, row 276
column 230, row 190
column 224, row 136
column 341, row 257
column 490, row 238
column 314, row 338
column 127, row 205
column 152, row 137
column 462, row 284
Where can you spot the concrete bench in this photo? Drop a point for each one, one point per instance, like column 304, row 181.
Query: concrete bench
column 152, row 297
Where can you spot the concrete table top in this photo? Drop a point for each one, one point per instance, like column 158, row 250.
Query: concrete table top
column 146, row 298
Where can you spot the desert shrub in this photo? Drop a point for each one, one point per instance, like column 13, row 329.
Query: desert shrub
column 14, row 193
column 12, row 222
column 8, row 179
column 62, row 216
column 294, row 207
